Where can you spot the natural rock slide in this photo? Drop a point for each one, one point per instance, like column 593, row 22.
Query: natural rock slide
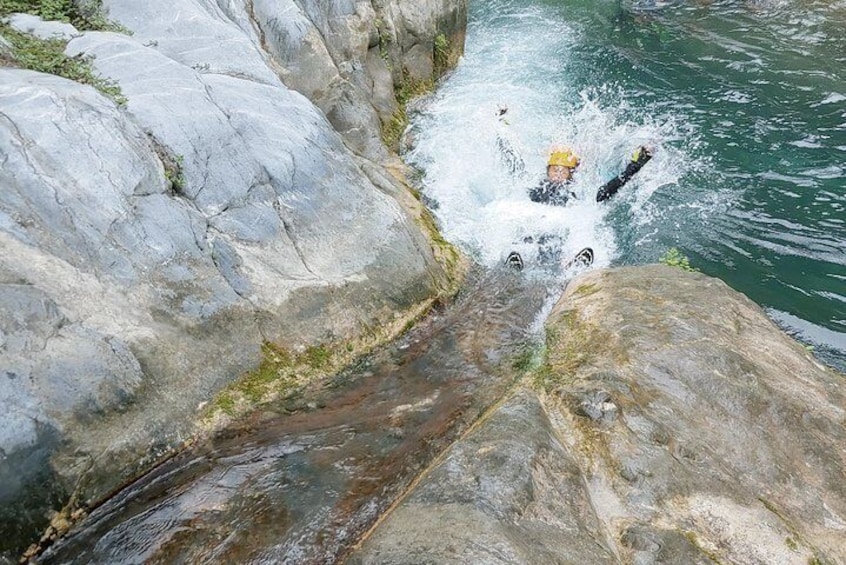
column 670, row 422
column 300, row 482
column 242, row 193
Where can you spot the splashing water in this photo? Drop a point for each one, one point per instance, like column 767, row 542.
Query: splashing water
column 744, row 103
column 481, row 204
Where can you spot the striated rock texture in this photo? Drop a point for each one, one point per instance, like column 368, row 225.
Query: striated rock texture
column 147, row 251
column 300, row 481
column 675, row 424
column 346, row 56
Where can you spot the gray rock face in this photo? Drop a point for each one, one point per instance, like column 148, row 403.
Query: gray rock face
column 729, row 432
column 147, row 251
column 677, row 425
column 33, row 25
column 345, row 55
column 507, row 493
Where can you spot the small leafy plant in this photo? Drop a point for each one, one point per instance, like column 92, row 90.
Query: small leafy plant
column 173, row 171
column 674, row 258
column 87, row 16
column 443, row 56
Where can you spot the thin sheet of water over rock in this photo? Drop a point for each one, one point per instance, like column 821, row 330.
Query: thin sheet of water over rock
column 301, row 482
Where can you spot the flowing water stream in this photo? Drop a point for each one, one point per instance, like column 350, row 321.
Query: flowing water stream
column 744, row 102
column 304, row 478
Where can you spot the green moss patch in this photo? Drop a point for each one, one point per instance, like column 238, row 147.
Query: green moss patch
column 277, row 374
column 694, row 541
column 445, row 253
column 570, row 343
column 444, row 55
column 284, row 374
column 586, row 290
column 407, row 90
column 440, row 55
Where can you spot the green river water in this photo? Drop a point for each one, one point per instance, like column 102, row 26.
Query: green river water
column 744, row 102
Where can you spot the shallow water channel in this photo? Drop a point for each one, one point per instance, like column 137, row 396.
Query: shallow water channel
column 302, row 481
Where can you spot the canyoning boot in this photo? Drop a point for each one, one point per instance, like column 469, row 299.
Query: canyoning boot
column 583, row 258
column 514, row 261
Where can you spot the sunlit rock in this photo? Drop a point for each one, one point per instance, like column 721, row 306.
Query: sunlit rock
column 726, row 443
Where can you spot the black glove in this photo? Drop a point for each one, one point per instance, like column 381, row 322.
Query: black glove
column 641, row 155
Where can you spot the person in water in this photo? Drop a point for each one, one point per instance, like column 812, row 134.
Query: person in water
column 562, row 163
column 555, row 190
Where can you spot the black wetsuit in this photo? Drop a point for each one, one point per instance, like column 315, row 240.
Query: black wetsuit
column 552, row 192
column 559, row 193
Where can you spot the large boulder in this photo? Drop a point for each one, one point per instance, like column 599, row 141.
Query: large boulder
column 675, row 424
column 147, row 251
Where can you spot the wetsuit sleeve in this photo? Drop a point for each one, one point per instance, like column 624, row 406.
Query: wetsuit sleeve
column 642, row 156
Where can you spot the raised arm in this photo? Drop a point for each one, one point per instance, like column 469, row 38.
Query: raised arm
column 508, row 154
column 510, row 157
column 639, row 159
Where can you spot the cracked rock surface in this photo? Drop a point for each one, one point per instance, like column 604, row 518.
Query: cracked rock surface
column 147, row 251
column 725, row 445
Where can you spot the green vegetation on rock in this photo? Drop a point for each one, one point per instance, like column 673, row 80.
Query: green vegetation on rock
column 283, row 374
column 586, row 290
column 407, row 90
column 674, row 258
column 441, row 54
column 530, row 357
column 384, row 42
column 278, row 374
column 173, row 171
column 445, row 253
column 570, row 343
column 85, row 17
column 444, row 57
column 694, row 541
column 48, row 56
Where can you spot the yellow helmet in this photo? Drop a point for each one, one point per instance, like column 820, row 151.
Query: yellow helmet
column 563, row 156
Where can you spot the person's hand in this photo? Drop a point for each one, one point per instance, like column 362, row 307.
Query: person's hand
column 642, row 153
